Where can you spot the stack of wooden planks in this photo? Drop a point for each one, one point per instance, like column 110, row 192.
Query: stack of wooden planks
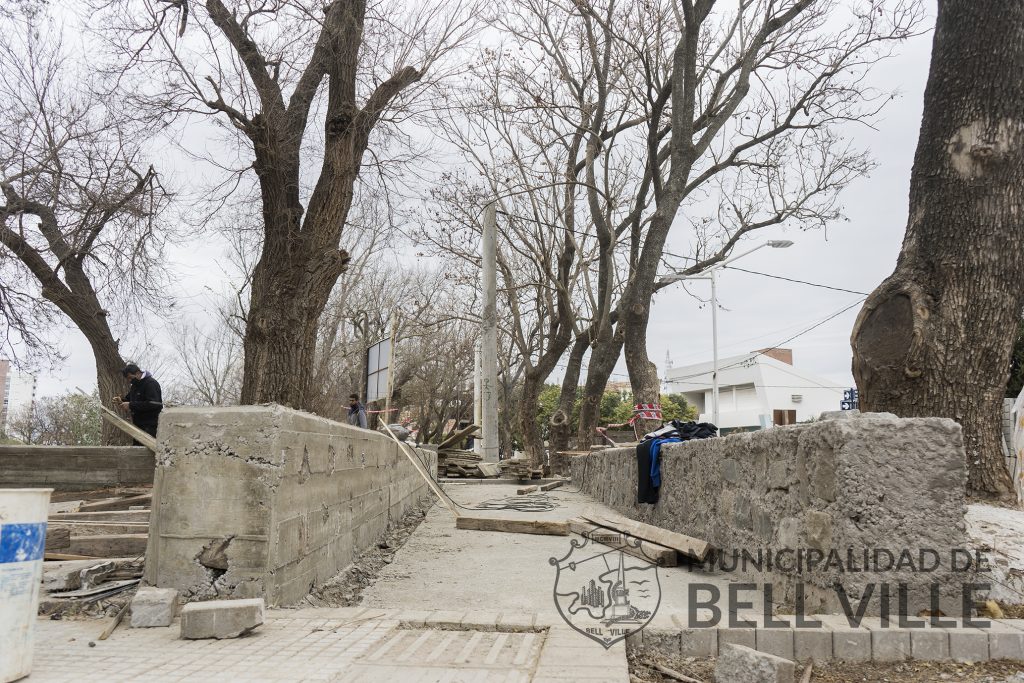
column 458, row 463
column 98, row 524
column 519, row 468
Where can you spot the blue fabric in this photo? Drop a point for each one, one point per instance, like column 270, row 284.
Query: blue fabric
column 22, row 542
column 656, row 445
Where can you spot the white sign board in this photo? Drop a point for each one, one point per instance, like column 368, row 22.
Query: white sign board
column 378, row 359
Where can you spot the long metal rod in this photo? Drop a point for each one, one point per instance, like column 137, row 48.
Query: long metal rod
column 489, row 337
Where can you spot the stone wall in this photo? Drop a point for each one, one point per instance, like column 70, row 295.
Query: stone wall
column 265, row 501
column 853, row 482
column 75, row 468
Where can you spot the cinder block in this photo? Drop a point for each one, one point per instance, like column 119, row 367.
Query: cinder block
column 698, row 642
column 889, row 644
column 849, row 643
column 1005, row 642
column 738, row 664
column 930, row 644
column 968, row 645
column 812, row 644
column 221, row 618
column 663, row 641
column 775, row 641
column 157, row 607
column 743, row 636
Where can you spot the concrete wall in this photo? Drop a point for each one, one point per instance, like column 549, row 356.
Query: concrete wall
column 852, row 482
column 265, row 501
column 75, row 468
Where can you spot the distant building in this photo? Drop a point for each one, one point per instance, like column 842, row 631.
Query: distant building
column 756, row 390
column 19, row 392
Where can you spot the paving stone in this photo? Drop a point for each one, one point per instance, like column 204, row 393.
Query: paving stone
column 739, row 664
column 968, row 645
column 412, row 618
column 516, row 622
column 444, row 619
column 888, row 642
column 775, row 641
column 736, row 636
column 153, row 606
column 698, row 642
column 481, row 621
column 221, row 618
column 1005, row 642
column 930, row 644
column 812, row 644
column 664, row 641
column 849, row 643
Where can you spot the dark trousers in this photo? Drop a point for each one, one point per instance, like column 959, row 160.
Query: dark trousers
column 646, row 491
column 148, row 427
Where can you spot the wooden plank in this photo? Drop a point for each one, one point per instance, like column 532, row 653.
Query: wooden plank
column 105, row 587
column 60, row 557
column 415, row 460
column 551, row 485
column 652, row 552
column 489, row 469
column 120, row 516
column 117, row 504
column 128, row 428
column 110, row 545
column 57, row 538
column 526, row 489
column 513, row 526
column 457, row 436
column 687, row 545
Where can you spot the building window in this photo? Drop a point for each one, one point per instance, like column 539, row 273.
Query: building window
column 783, row 417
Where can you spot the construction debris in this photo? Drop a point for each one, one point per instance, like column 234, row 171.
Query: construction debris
column 631, row 545
column 691, row 547
column 526, row 489
column 154, row 607
column 221, row 618
column 519, row 468
column 552, row 485
column 514, row 526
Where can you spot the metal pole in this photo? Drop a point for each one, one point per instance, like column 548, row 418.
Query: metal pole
column 714, row 342
column 489, row 337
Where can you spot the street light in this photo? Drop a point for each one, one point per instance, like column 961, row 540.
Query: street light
column 710, row 274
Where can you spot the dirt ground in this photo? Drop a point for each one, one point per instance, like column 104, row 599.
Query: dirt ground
column 641, row 668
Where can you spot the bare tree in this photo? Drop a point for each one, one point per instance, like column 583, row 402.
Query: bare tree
column 269, row 72
column 79, row 206
column 936, row 337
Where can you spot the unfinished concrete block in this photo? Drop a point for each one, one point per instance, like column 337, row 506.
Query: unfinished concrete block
column 814, row 644
column 890, row 645
column 739, row 664
column 775, row 641
column 968, row 645
column 930, row 644
column 698, row 642
column 849, row 643
column 153, row 607
column 221, row 618
column 739, row 635
column 1005, row 642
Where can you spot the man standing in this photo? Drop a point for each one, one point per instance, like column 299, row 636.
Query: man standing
column 143, row 399
column 356, row 411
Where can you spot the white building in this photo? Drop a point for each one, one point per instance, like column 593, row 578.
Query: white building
column 755, row 390
column 19, row 392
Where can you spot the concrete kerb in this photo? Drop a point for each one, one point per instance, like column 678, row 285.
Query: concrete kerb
column 837, row 639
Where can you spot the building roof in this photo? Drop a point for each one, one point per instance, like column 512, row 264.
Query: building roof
column 745, row 369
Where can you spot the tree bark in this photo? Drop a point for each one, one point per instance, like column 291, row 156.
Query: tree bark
column 935, row 338
column 560, row 423
column 603, row 357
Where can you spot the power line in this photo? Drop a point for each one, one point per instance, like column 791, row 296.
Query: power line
column 801, row 282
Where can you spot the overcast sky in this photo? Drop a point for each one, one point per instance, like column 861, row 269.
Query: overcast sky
column 755, row 311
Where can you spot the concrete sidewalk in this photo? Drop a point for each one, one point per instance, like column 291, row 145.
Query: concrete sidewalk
column 489, row 570
column 350, row 645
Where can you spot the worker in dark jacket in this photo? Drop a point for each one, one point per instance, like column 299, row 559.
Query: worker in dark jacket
column 143, row 399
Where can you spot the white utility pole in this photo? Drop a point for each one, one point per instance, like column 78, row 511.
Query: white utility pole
column 477, row 408
column 489, row 337
column 710, row 274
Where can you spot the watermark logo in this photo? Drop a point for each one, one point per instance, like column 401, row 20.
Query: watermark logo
column 603, row 592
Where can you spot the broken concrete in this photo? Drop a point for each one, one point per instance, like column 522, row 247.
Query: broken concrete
column 265, row 501
column 855, row 484
column 221, row 618
column 154, row 607
column 739, row 664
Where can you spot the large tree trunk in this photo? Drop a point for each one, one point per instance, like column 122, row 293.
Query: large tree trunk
column 934, row 339
column 560, row 423
column 533, row 445
column 603, row 357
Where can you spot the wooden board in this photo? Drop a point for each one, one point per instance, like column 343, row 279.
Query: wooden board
column 460, row 435
column 60, row 557
column 57, row 538
column 551, row 485
column 122, row 516
column 513, row 526
column 117, row 503
column 691, row 547
column 489, row 469
column 105, row 587
column 110, row 545
column 526, row 489
column 128, row 428
column 652, row 552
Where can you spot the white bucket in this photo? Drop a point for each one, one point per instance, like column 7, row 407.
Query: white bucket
column 23, row 514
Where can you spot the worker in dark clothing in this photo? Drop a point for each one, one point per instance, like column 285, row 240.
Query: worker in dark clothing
column 143, row 399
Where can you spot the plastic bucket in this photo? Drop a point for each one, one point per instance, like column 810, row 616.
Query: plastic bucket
column 23, row 514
